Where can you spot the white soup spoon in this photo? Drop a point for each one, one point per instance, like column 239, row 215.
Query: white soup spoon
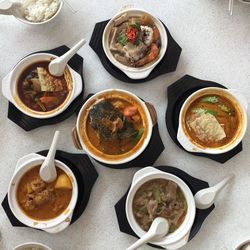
column 48, row 169
column 57, row 66
column 158, row 229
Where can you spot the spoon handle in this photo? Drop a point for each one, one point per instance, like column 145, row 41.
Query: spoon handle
column 52, row 150
column 223, row 183
column 144, row 239
column 65, row 58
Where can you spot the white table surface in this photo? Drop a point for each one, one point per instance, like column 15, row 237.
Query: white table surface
column 216, row 46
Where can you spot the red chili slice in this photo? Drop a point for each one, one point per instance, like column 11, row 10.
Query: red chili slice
column 132, row 34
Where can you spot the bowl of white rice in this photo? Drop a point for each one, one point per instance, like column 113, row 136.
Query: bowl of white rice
column 38, row 12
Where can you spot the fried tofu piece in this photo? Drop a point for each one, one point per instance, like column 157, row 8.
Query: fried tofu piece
column 48, row 82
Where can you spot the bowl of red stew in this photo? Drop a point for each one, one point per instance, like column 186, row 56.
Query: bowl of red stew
column 135, row 42
column 41, row 205
column 212, row 120
column 35, row 92
column 114, row 126
column 154, row 193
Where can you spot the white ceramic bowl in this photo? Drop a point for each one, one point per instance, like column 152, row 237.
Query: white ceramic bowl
column 132, row 72
column 240, row 247
column 23, row 20
column 233, row 95
column 54, row 225
column 9, row 87
column 30, row 245
column 180, row 236
column 84, row 111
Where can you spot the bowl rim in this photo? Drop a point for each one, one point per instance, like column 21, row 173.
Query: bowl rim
column 12, row 95
column 133, row 70
column 31, row 243
column 20, row 170
column 23, row 20
column 183, row 138
column 136, row 153
column 152, row 174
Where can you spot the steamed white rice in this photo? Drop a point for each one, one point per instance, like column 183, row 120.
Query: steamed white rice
column 39, row 10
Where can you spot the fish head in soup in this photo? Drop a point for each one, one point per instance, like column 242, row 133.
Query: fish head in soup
column 159, row 198
column 212, row 121
column 114, row 126
column 134, row 41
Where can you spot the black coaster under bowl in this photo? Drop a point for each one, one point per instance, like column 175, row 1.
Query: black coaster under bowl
column 85, row 174
column 27, row 122
column 193, row 183
column 178, row 92
column 167, row 64
column 148, row 156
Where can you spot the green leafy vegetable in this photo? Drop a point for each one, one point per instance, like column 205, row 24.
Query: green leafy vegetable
column 226, row 109
column 138, row 136
column 211, row 112
column 122, row 39
column 136, row 25
column 41, row 105
column 157, row 195
column 210, row 99
column 201, row 111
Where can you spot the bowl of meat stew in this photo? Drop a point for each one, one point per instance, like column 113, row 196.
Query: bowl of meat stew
column 114, row 126
column 41, row 205
column 36, row 93
column 135, row 42
column 154, row 193
column 212, row 120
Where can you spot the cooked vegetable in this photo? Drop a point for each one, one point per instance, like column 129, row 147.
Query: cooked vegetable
column 204, row 111
column 210, row 99
column 226, row 109
column 138, row 136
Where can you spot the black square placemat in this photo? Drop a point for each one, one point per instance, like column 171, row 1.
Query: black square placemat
column 177, row 93
column 194, row 184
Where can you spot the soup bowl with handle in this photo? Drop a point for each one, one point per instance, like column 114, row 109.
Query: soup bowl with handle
column 240, row 104
column 56, row 224
column 10, row 82
column 81, row 139
column 133, row 72
column 180, row 236
column 32, row 245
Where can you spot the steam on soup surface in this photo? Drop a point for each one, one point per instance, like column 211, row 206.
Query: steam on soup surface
column 40, row 200
column 134, row 41
column 159, row 198
column 39, row 90
column 114, row 126
column 212, row 121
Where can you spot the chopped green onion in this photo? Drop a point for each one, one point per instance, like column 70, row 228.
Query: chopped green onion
column 138, row 136
column 122, row 39
column 201, row 111
column 210, row 99
column 226, row 109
